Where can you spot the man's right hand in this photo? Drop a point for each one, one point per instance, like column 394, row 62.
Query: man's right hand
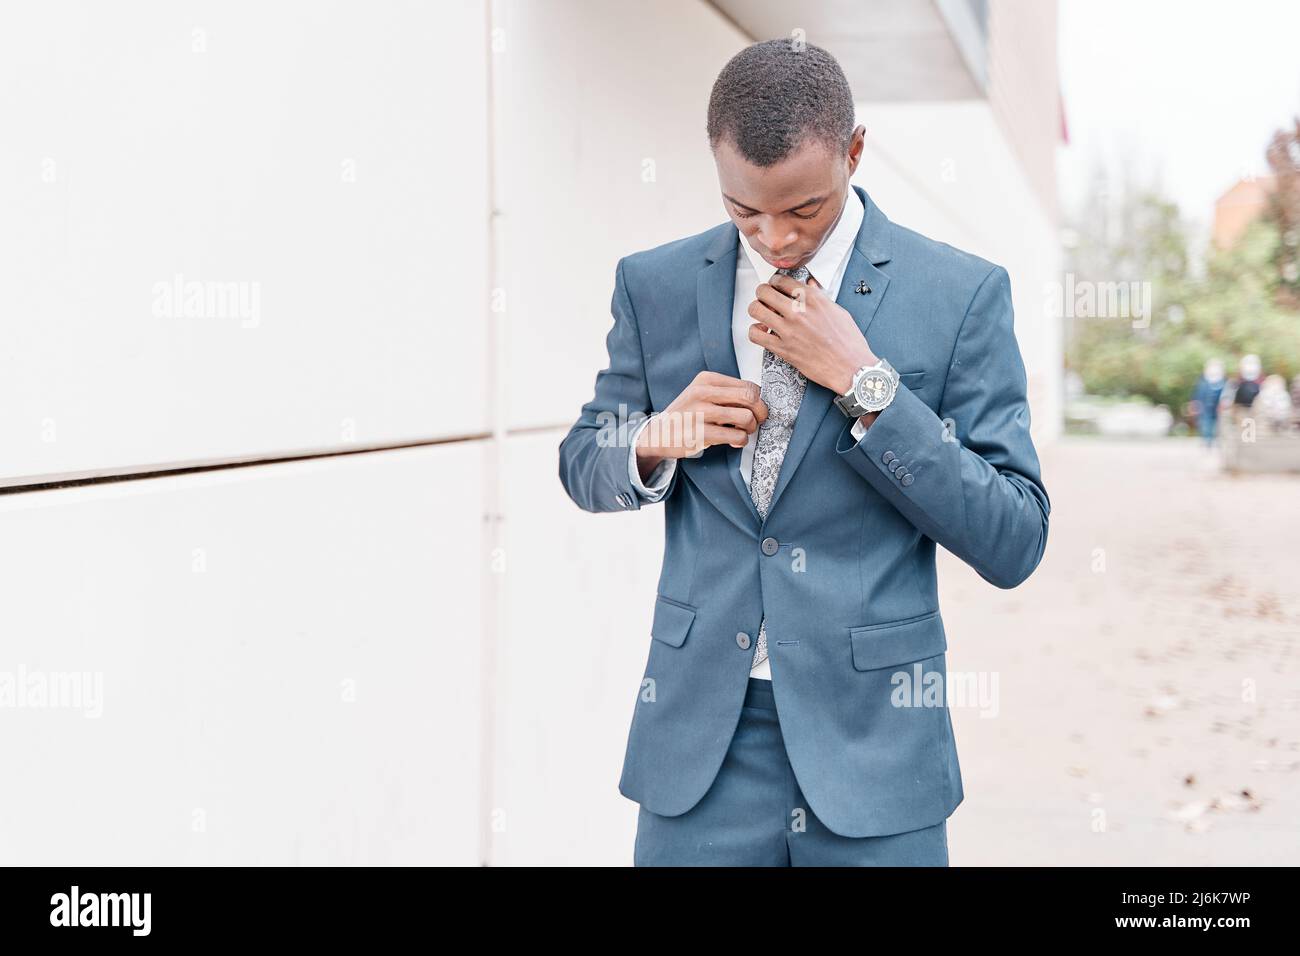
column 715, row 409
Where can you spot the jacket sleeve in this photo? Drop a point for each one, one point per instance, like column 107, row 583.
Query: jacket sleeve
column 594, row 456
column 967, row 478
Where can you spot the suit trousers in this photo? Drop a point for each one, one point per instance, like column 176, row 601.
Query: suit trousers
column 754, row 813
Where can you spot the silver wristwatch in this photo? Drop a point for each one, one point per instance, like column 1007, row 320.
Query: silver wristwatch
column 873, row 388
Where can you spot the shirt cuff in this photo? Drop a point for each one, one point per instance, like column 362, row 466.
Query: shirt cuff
column 858, row 429
column 660, row 478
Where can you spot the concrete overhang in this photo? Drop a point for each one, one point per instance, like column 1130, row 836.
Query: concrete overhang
column 891, row 50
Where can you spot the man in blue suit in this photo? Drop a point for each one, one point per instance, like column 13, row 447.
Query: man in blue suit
column 817, row 397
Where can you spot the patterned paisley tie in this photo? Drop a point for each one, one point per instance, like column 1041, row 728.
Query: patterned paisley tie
column 782, row 389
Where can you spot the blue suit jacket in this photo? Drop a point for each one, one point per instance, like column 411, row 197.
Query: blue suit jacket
column 844, row 564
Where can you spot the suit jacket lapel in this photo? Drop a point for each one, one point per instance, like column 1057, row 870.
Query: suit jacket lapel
column 717, row 471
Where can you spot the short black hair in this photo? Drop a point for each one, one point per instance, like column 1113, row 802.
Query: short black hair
column 772, row 96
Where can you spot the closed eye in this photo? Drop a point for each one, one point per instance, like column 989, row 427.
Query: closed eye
column 751, row 215
column 813, row 204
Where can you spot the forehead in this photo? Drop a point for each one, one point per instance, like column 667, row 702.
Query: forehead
column 808, row 171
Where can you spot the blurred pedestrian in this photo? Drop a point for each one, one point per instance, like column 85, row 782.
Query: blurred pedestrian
column 1242, row 390
column 1205, row 400
column 1272, row 406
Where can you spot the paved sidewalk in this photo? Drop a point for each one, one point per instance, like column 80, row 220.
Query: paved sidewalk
column 1148, row 706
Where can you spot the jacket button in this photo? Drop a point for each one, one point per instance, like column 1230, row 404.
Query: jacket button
column 770, row 546
column 907, row 479
column 900, row 470
column 887, row 457
column 742, row 641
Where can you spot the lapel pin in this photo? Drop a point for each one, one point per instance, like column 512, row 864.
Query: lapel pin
column 862, row 288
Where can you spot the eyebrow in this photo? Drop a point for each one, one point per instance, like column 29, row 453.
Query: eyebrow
column 806, row 202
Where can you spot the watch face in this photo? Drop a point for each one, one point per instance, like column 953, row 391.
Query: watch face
column 875, row 389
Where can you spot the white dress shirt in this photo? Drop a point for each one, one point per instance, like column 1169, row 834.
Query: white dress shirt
column 827, row 267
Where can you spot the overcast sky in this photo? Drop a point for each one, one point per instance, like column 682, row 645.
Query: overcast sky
column 1188, row 91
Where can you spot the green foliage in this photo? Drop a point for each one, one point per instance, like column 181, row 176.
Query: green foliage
column 1230, row 310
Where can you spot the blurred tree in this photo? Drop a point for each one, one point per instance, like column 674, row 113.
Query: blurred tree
column 1283, row 156
column 1243, row 302
column 1237, row 308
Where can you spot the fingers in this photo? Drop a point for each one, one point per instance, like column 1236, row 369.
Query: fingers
column 723, row 435
column 708, row 378
column 675, row 434
column 784, row 306
column 746, row 395
column 716, row 389
column 725, row 390
column 768, row 339
column 737, row 416
column 761, row 313
column 784, row 284
column 789, row 287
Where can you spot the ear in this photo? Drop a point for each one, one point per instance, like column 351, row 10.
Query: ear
column 857, row 143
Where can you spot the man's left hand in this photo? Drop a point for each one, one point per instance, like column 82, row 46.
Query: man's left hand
column 801, row 324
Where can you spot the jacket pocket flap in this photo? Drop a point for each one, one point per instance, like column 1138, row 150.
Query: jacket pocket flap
column 672, row 621
column 912, row 379
column 898, row 642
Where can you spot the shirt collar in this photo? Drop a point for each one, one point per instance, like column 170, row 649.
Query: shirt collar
column 826, row 262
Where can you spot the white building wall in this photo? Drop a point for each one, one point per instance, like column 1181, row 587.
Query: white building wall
column 305, row 151
column 272, row 665
column 289, row 655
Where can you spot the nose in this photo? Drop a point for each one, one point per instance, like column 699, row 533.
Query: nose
column 776, row 240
